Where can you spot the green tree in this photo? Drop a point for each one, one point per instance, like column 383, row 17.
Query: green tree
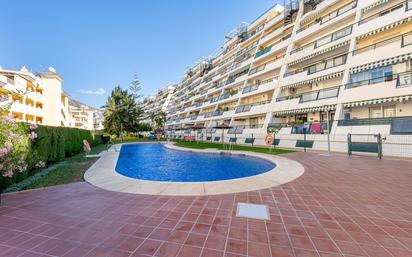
column 135, row 86
column 121, row 112
column 159, row 119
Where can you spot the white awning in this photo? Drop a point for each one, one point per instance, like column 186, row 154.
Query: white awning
column 390, row 26
column 309, row 17
column 380, row 63
column 399, row 99
column 307, row 110
column 314, row 80
column 320, row 52
column 373, row 5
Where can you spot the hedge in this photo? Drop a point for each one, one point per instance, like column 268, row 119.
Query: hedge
column 53, row 144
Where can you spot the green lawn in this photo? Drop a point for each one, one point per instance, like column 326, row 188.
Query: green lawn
column 204, row 145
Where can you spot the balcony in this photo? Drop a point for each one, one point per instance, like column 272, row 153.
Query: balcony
column 328, row 20
column 391, row 85
column 330, row 40
column 384, row 19
column 382, row 50
column 254, row 108
column 262, row 87
column 301, row 76
column 327, row 96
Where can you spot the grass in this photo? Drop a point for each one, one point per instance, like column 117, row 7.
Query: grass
column 71, row 171
column 204, row 145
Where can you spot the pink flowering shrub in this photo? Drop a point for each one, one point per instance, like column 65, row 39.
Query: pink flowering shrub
column 14, row 147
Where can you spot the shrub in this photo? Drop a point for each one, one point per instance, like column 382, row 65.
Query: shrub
column 52, row 145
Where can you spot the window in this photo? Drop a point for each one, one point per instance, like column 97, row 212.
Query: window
column 373, row 76
column 375, row 112
column 389, row 111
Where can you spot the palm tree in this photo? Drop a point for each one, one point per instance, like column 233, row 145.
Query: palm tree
column 158, row 119
column 121, row 112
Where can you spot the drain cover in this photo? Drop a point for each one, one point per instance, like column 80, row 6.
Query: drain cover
column 254, row 211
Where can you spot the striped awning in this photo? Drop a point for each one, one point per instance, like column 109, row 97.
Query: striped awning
column 389, row 26
column 309, row 17
column 307, row 110
column 373, row 5
column 380, row 63
column 314, row 80
column 399, row 99
column 328, row 49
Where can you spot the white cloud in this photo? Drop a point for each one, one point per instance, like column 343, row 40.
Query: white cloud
column 99, row 91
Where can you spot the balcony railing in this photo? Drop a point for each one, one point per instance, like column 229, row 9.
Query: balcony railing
column 341, row 60
column 313, row 96
column 262, row 52
column 327, row 39
column 333, row 15
column 250, row 88
column 365, row 122
column 404, row 39
column 383, row 13
column 403, row 79
column 248, row 107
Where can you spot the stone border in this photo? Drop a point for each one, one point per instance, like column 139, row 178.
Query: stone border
column 102, row 174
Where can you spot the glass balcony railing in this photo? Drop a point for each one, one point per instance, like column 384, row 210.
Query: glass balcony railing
column 402, row 79
column 313, row 96
column 404, row 40
column 333, row 15
column 248, row 107
column 262, row 52
column 383, row 13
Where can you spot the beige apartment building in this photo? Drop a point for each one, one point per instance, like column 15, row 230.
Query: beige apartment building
column 36, row 98
column 82, row 115
column 297, row 67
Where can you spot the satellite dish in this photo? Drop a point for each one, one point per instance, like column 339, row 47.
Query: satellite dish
column 51, row 69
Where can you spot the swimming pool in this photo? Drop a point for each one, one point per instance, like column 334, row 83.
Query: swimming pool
column 158, row 163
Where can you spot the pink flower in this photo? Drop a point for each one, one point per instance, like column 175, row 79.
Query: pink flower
column 1, row 166
column 8, row 145
column 33, row 126
column 8, row 174
column 33, row 135
column 3, row 152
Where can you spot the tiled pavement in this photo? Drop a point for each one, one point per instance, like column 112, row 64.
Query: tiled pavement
column 340, row 206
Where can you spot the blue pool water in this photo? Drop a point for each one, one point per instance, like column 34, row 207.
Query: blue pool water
column 158, row 163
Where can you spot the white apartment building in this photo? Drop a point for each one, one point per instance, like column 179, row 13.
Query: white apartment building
column 157, row 103
column 35, row 98
column 296, row 67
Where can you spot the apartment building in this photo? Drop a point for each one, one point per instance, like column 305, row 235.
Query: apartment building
column 297, row 67
column 35, row 98
column 156, row 103
column 82, row 115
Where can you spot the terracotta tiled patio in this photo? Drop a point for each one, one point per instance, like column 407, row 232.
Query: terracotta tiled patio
column 340, row 206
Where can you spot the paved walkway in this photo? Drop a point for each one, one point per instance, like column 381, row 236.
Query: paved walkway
column 340, row 206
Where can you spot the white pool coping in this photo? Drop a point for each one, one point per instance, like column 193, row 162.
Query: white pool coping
column 102, row 174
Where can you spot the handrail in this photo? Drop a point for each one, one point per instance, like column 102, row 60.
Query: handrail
column 375, row 80
column 383, row 43
column 354, row 5
column 384, row 12
column 317, row 92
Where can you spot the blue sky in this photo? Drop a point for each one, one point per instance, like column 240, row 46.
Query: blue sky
column 95, row 45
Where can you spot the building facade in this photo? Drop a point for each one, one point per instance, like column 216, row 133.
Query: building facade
column 82, row 115
column 302, row 70
column 157, row 103
column 35, row 98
